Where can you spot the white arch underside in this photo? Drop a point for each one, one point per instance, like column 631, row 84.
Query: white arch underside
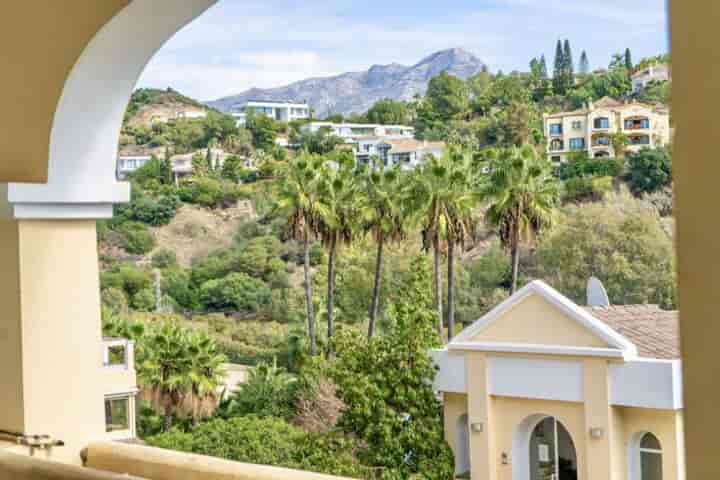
column 87, row 122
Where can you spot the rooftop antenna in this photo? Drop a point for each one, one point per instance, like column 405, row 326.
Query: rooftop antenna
column 596, row 294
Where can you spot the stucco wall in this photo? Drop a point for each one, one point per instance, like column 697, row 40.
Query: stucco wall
column 454, row 407
column 521, row 324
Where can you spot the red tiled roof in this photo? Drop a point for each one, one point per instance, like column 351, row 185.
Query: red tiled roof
column 654, row 331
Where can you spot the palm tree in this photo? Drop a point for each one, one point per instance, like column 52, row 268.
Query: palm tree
column 387, row 222
column 459, row 209
column 522, row 193
column 165, row 369
column 338, row 210
column 206, row 374
column 440, row 194
column 298, row 200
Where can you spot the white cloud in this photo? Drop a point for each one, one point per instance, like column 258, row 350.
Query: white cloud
column 251, row 43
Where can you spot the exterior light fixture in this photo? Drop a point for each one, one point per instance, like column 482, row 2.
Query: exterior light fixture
column 477, row 427
column 597, row 433
column 504, row 458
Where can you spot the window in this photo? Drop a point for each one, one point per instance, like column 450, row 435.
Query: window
column 577, row 125
column 555, row 159
column 602, row 140
column 577, row 143
column 650, row 458
column 556, row 129
column 556, row 144
column 117, row 414
column 639, row 140
column 637, row 123
column 601, row 122
column 116, row 355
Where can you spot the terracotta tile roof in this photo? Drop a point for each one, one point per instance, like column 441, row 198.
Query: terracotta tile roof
column 654, row 331
column 607, row 102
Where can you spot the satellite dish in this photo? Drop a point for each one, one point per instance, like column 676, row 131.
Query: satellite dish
column 596, row 294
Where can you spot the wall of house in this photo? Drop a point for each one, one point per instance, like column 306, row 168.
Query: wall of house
column 454, row 407
column 520, row 325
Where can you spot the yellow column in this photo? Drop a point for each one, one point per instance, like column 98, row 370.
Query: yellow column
column 598, row 417
column 50, row 333
column 482, row 456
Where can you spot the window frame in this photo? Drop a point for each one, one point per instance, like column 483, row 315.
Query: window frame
column 598, row 123
column 635, row 455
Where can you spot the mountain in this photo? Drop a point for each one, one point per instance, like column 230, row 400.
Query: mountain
column 355, row 92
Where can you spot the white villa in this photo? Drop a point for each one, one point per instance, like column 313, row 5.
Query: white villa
column 353, row 132
column 406, row 152
column 120, row 381
column 654, row 73
column 285, row 111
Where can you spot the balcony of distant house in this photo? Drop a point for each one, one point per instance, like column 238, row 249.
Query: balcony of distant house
column 639, row 140
column 601, row 123
column 600, row 140
column 636, row 123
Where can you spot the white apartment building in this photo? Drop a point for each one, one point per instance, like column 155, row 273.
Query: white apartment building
column 352, row 132
column 285, row 111
column 590, row 129
column 659, row 72
column 406, row 152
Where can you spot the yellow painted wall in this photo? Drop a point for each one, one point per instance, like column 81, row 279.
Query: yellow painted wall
column 55, row 280
column 536, row 320
column 454, row 406
column 40, row 41
column 597, row 415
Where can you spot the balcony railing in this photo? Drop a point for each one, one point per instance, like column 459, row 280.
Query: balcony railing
column 121, row 461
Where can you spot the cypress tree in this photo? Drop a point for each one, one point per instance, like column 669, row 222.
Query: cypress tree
column 559, row 68
column 584, row 65
column 628, row 60
column 568, row 60
column 543, row 67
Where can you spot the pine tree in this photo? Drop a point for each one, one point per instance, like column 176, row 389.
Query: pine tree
column 543, row 68
column 628, row 60
column 584, row 65
column 568, row 62
column 558, row 68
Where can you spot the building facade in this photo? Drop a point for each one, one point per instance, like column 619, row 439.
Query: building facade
column 285, row 111
column 406, row 152
column 353, row 132
column 653, row 73
column 591, row 129
column 543, row 389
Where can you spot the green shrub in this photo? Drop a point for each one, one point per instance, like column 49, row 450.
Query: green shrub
column 581, row 165
column 126, row 277
column 266, row 441
column 268, row 392
column 210, row 192
column 144, row 300
column 579, row 189
column 114, row 299
column 136, row 237
column 164, row 258
column 236, row 292
column 650, row 169
column 153, row 211
column 176, row 284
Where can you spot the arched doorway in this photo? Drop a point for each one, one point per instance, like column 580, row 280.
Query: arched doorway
column 543, row 450
column 462, row 446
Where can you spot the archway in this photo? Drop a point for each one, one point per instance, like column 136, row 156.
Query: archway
column 543, row 449
column 462, row 446
column 645, row 457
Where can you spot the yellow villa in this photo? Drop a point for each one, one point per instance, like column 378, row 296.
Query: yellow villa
column 541, row 388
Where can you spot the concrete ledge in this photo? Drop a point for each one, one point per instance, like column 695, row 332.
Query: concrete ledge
column 22, row 467
column 160, row 464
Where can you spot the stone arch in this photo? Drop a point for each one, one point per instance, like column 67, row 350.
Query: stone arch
column 521, row 444
column 86, row 125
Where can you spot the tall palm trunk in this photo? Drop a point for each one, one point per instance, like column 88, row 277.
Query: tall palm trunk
column 331, row 288
column 515, row 253
column 308, row 293
column 167, row 418
column 438, row 283
column 451, row 289
column 376, row 287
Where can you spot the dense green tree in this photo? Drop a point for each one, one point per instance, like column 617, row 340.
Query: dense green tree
column 649, row 169
column 297, row 200
column 235, row 292
column 628, row 61
column 233, row 169
column 559, row 69
column 522, row 193
column 386, row 385
column 543, row 67
column 446, row 99
column 321, row 142
column 264, row 131
column 389, row 112
column 621, row 241
column 584, row 65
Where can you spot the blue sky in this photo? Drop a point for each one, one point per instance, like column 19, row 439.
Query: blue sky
column 239, row 44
